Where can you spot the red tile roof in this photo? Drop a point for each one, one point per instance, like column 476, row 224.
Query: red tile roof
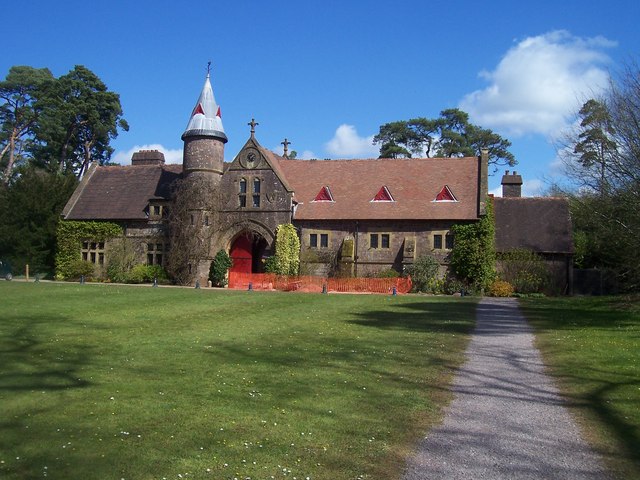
column 415, row 183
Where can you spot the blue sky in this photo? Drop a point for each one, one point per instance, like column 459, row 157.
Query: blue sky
column 327, row 74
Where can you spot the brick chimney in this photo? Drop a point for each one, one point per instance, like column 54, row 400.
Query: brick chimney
column 147, row 157
column 511, row 184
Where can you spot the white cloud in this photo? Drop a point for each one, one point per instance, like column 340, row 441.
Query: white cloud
column 170, row 156
column 539, row 83
column 347, row 143
column 306, row 155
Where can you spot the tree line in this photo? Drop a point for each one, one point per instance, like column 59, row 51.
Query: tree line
column 602, row 163
column 51, row 129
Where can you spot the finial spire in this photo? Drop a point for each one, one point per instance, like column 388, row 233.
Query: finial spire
column 208, row 68
column 253, row 124
column 286, row 144
column 206, row 119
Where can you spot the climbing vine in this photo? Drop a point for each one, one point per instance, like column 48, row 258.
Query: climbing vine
column 71, row 234
column 473, row 258
column 287, row 257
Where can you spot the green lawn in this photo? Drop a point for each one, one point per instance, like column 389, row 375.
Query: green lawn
column 593, row 348
column 105, row 381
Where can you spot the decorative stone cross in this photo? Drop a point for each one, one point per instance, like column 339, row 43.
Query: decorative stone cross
column 253, row 124
column 286, row 144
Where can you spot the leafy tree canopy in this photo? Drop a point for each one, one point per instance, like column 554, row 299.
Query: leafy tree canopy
column 450, row 135
column 602, row 164
column 18, row 116
column 58, row 124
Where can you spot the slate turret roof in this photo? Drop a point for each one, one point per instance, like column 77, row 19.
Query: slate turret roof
column 206, row 117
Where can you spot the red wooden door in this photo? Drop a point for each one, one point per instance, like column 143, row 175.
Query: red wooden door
column 241, row 254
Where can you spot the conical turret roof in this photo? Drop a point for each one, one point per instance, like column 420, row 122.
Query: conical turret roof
column 206, row 119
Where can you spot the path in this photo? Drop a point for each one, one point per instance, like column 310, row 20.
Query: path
column 507, row 420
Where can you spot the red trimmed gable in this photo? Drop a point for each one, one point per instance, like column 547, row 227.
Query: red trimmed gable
column 383, row 195
column 445, row 195
column 198, row 110
column 324, row 195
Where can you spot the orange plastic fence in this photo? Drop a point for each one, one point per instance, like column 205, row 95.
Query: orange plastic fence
column 270, row 281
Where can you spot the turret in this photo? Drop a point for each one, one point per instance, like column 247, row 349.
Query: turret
column 204, row 138
column 198, row 197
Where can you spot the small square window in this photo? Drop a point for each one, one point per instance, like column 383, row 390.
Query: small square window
column 256, row 201
column 373, row 240
column 243, row 201
column 156, row 210
column 437, row 242
column 313, row 240
column 149, row 258
column 324, row 240
column 448, row 241
column 384, row 240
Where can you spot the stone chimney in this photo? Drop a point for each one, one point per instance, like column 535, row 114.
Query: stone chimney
column 511, row 184
column 147, row 157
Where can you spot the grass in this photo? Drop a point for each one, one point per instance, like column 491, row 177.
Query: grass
column 106, row 381
column 593, row 348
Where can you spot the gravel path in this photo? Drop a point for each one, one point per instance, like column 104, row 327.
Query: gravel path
column 507, row 420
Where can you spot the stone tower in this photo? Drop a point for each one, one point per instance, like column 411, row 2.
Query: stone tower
column 202, row 162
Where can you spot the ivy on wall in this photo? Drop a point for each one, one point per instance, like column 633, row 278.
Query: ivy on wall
column 287, row 257
column 70, row 235
column 473, row 258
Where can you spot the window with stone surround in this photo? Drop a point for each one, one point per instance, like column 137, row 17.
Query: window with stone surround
column 155, row 253
column 93, row 252
column 256, row 193
column 437, row 241
column 319, row 240
column 379, row 241
column 242, row 193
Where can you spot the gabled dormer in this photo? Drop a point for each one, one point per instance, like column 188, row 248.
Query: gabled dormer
column 254, row 180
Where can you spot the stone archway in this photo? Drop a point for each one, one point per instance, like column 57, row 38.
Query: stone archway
column 246, row 252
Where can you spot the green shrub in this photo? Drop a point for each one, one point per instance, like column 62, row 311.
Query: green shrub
column 218, row 270
column 145, row 274
column 473, row 258
column 500, row 288
column 80, row 268
column 453, row 285
column 287, row 250
column 525, row 270
column 271, row 265
column 424, row 272
column 388, row 273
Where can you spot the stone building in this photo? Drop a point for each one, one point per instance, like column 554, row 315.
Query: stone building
column 356, row 217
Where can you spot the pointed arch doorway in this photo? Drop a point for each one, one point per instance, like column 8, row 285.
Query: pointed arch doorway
column 246, row 252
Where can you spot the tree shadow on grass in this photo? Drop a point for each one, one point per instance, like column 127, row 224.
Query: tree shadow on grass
column 32, row 360
column 598, row 386
column 450, row 316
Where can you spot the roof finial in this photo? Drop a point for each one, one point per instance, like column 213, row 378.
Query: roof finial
column 208, row 68
column 253, row 124
column 286, row 144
